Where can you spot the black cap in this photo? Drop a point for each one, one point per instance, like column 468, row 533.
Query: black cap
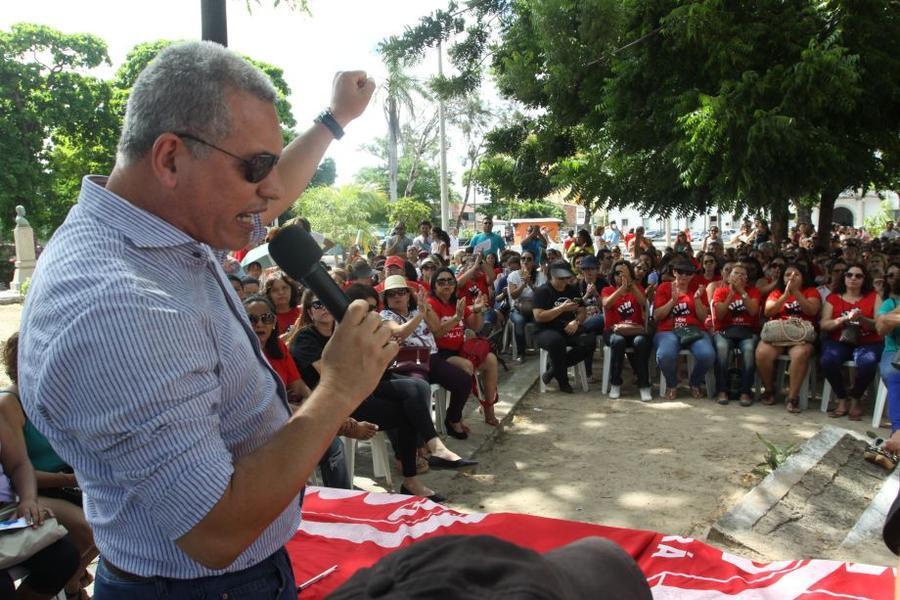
column 561, row 268
column 454, row 567
column 682, row 264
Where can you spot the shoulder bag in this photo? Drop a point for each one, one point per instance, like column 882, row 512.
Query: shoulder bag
column 412, row 360
column 17, row 545
column 788, row 332
column 688, row 335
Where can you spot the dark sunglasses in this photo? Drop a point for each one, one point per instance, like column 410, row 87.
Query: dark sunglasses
column 850, row 275
column 256, row 168
column 445, row 281
column 267, row 318
column 317, row 304
column 396, row 293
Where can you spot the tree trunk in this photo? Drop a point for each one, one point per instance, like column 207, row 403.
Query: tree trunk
column 778, row 221
column 393, row 134
column 804, row 213
column 826, row 214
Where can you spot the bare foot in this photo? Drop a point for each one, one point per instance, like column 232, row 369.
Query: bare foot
column 671, row 394
column 358, row 430
column 438, row 449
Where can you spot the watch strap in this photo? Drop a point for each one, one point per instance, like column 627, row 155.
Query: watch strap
column 326, row 118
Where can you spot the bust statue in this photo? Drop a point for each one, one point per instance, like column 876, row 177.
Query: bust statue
column 21, row 221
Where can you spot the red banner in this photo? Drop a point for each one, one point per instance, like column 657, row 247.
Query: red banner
column 354, row 529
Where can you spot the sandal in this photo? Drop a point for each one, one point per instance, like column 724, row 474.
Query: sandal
column 856, row 412
column 696, row 393
column 746, row 400
column 768, row 399
column 876, row 454
column 485, row 404
column 671, row 394
column 792, row 405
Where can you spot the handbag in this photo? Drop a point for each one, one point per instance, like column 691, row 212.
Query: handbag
column 688, row 334
column 628, row 329
column 788, row 332
column 17, row 545
column 475, row 350
column 738, row 332
column 850, row 334
column 412, row 360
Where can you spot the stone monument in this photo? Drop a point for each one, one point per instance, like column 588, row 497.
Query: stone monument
column 25, row 254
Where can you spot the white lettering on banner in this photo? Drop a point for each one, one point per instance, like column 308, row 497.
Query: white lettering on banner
column 677, row 538
column 663, row 551
column 748, row 566
column 359, row 532
column 866, row 569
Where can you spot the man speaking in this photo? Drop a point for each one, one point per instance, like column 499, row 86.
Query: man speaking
column 138, row 362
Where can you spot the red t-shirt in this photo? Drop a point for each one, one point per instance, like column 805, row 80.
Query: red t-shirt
column 840, row 307
column 287, row 320
column 702, row 281
column 624, row 309
column 453, row 339
column 284, row 366
column 737, row 312
column 469, row 290
column 683, row 313
column 791, row 307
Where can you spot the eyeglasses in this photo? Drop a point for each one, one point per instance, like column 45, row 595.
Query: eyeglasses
column 396, row 293
column 267, row 318
column 317, row 305
column 853, row 275
column 256, row 168
column 445, row 281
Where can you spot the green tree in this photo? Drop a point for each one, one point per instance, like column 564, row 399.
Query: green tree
column 325, row 174
column 339, row 213
column 398, row 89
column 409, row 211
column 55, row 120
column 141, row 55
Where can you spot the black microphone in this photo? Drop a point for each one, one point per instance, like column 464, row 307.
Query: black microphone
column 298, row 255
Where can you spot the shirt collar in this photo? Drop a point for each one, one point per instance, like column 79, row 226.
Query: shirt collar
column 143, row 228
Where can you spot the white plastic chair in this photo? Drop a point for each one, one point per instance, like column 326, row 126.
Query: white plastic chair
column 880, row 401
column 439, row 399
column 381, row 456
column 806, row 388
column 580, row 372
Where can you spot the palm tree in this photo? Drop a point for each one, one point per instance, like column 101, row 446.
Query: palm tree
column 397, row 89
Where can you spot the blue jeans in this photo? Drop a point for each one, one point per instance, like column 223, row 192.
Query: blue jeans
column 866, row 357
column 593, row 324
column 667, row 348
column 891, row 378
column 724, row 346
column 519, row 320
column 272, row 579
column 333, row 466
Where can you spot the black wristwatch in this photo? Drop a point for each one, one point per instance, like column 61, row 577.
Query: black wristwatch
column 326, row 118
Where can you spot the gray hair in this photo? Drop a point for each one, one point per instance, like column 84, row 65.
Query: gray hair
column 183, row 90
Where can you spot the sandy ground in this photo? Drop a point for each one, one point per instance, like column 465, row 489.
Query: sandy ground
column 673, row 467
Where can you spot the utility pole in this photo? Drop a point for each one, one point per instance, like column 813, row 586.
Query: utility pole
column 445, row 201
column 214, row 21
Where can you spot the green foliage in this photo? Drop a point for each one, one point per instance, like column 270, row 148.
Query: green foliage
column 522, row 209
column 141, row 55
column 53, row 113
column 23, row 287
column 774, row 457
column 875, row 224
column 340, row 213
column 410, row 211
column 325, row 173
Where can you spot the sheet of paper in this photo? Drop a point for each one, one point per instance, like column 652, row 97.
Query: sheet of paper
column 19, row 523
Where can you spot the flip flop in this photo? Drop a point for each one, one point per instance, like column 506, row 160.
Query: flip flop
column 767, row 399
column 837, row 414
column 793, row 405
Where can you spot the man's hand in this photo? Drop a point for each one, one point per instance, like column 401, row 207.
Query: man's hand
column 571, row 327
column 568, row 306
column 351, row 92
column 361, row 346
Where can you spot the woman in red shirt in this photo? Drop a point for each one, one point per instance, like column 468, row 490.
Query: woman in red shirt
column 452, row 313
column 679, row 310
column 848, row 315
column 735, row 308
column 285, row 296
column 625, row 326
column 794, row 296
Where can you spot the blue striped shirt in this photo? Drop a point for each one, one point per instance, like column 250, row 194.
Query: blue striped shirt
column 139, row 365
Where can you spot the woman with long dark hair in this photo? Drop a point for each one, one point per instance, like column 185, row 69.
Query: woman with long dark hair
column 848, row 316
column 454, row 317
column 794, row 296
column 285, row 296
